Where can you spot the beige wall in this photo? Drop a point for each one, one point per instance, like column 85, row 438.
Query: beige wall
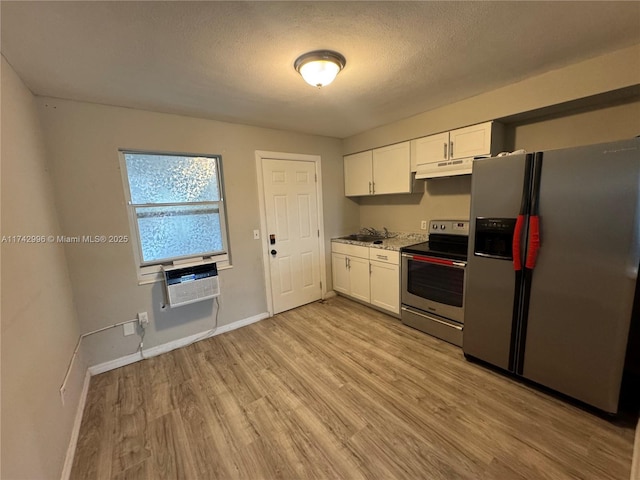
column 83, row 140
column 605, row 124
column 439, row 198
column 606, row 73
column 445, row 198
column 39, row 323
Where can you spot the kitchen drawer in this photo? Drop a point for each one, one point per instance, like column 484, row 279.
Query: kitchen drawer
column 382, row 255
column 351, row 250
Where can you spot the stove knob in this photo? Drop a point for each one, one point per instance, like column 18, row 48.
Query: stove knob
column 442, row 227
column 434, row 226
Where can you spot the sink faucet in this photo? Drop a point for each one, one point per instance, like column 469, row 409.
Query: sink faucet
column 386, row 232
column 371, row 231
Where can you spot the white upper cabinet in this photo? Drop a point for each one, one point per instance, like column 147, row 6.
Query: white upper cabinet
column 380, row 171
column 435, row 148
column 470, row 141
column 358, row 174
column 392, row 169
column 451, row 153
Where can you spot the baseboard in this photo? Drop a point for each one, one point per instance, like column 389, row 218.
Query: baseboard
column 635, row 463
column 73, row 442
column 330, row 294
column 167, row 347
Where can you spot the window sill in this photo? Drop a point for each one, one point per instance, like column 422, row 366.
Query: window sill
column 151, row 278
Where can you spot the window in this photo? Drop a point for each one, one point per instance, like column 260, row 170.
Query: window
column 176, row 209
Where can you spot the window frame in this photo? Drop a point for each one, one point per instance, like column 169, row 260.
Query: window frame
column 150, row 272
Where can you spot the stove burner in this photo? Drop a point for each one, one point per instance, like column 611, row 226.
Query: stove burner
column 453, row 252
column 451, row 245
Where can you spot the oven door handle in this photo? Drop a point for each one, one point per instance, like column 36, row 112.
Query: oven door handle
column 436, row 261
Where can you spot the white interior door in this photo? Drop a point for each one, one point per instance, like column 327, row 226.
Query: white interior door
column 291, row 207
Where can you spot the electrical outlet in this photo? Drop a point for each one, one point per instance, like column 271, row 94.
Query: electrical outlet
column 129, row 328
column 423, row 225
column 256, row 234
column 143, row 318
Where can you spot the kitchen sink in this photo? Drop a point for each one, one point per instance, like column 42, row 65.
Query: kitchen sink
column 363, row 237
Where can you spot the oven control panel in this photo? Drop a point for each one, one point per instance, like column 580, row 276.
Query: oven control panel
column 451, row 227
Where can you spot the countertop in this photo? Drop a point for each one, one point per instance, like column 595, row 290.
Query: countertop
column 395, row 242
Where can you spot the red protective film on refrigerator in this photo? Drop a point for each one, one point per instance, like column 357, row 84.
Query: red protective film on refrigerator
column 534, row 241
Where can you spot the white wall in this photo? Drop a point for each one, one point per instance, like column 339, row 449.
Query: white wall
column 39, row 323
column 83, row 140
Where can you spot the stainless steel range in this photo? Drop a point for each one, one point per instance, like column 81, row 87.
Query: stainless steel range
column 433, row 276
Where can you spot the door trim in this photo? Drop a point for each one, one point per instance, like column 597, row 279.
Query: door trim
column 262, row 155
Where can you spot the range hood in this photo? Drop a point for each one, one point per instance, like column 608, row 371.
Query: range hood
column 447, row 168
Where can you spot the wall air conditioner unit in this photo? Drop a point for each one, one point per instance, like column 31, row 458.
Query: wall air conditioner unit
column 191, row 283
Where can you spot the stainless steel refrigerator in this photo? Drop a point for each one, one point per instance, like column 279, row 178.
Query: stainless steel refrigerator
column 554, row 249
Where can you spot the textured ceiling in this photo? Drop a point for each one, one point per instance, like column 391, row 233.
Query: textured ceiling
column 233, row 61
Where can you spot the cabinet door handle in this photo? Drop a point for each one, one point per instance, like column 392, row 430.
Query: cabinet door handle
column 445, row 150
column 346, row 263
column 373, row 188
column 451, row 150
column 382, row 257
column 370, row 192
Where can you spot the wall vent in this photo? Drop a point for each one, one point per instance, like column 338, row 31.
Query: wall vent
column 190, row 284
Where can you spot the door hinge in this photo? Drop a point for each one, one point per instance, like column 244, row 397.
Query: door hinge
column 318, row 233
column 320, row 285
column 315, row 175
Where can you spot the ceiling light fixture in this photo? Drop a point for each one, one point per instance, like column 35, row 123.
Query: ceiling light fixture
column 320, row 67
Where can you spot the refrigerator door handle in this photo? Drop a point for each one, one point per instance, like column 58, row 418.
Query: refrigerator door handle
column 517, row 234
column 534, row 219
column 525, row 210
column 534, row 242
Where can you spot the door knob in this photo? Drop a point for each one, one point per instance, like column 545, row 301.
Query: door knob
column 273, row 252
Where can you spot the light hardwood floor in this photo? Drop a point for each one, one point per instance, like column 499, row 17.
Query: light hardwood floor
column 335, row 390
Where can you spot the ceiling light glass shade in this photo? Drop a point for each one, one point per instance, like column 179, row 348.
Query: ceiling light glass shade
column 319, row 68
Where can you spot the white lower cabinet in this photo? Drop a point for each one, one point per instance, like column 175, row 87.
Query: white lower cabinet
column 340, row 269
column 371, row 275
column 359, row 278
column 385, row 286
column 350, row 265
